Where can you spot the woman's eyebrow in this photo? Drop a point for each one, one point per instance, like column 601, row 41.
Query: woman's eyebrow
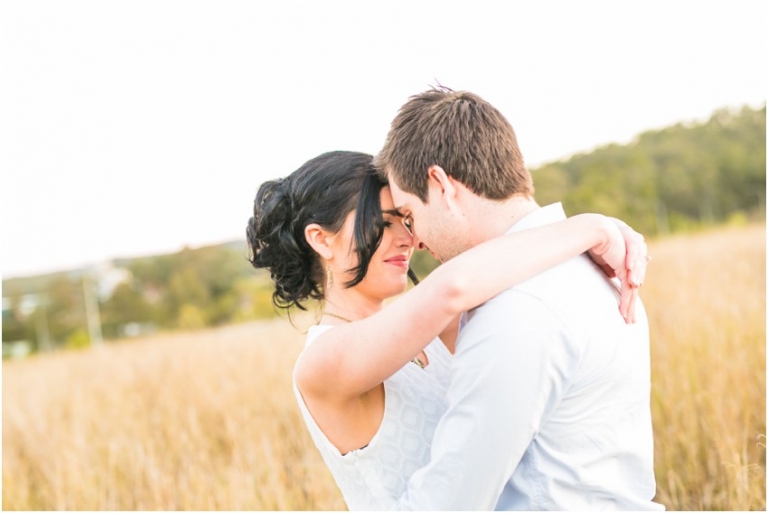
column 393, row 212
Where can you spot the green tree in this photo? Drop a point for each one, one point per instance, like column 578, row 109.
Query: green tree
column 677, row 178
column 126, row 305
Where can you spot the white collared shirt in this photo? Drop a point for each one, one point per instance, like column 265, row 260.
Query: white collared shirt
column 549, row 402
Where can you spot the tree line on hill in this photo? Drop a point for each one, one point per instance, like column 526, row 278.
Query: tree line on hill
column 678, row 178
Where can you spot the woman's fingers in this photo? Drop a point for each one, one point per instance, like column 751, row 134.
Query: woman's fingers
column 627, row 301
column 637, row 257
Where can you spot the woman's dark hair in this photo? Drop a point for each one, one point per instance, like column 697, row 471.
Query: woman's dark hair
column 324, row 191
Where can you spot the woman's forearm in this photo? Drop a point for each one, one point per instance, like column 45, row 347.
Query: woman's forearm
column 487, row 269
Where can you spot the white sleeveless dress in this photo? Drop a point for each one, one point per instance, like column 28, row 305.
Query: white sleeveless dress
column 374, row 477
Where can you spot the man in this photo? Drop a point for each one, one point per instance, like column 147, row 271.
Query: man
column 549, row 394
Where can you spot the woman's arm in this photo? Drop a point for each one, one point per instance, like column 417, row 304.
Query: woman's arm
column 353, row 358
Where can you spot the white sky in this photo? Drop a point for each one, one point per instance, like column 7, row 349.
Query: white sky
column 137, row 127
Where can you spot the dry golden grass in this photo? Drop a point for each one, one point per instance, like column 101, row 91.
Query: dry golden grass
column 705, row 297
column 199, row 421
column 207, row 420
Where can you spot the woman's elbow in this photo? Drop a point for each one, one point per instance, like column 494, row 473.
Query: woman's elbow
column 453, row 290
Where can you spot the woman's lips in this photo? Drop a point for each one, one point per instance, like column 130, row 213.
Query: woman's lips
column 400, row 261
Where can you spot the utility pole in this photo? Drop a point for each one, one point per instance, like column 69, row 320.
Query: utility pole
column 92, row 312
column 41, row 324
column 662, row 217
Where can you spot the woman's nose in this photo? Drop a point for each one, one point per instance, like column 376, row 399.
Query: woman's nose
column 405, row 238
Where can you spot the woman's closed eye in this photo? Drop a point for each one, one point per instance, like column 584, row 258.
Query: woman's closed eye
column 390, row 215
column 408, row 222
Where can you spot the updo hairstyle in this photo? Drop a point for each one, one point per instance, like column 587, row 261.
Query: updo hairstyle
column 324, row 191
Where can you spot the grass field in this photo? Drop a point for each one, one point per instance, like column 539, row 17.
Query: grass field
column 207, row 420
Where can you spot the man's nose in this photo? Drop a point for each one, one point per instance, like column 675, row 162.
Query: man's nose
column 417, row 243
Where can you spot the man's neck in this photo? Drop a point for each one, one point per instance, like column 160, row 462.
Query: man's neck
column 494, row 218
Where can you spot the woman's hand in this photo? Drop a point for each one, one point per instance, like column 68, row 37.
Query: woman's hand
column 624, row 256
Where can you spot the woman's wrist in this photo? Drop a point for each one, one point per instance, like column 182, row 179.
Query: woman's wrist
column 598, row 231
column 608, row 230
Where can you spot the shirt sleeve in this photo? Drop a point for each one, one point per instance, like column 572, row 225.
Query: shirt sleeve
column 511, row 368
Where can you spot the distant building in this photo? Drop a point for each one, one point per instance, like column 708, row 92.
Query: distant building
column 18, row 349
column 28, row 304
column 107, row 277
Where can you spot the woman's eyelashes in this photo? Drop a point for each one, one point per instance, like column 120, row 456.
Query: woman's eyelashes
column 408, row 222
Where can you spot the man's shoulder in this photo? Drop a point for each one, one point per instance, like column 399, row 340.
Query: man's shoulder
column 578, row 273
column 512, row 306
column 576, row 289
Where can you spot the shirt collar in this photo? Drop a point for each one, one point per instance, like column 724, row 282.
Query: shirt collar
column 539, row 217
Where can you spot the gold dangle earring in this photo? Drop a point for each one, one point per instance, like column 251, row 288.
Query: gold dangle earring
column 330, row 276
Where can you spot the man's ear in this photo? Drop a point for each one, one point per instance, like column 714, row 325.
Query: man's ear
column 319, row 240
column 440, row 183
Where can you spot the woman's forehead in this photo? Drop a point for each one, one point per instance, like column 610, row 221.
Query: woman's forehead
column 385, row 198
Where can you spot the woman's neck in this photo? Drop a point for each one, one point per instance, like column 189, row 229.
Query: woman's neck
column 351, row 303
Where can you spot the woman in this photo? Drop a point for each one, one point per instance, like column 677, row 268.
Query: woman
column 371, row 381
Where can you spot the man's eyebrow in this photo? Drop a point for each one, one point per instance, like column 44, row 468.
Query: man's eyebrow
column 393, row 212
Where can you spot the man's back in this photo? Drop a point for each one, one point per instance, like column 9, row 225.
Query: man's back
column 592, row 442
column 549, row 400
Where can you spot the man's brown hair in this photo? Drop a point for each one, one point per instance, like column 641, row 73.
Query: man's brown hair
column 463, row 134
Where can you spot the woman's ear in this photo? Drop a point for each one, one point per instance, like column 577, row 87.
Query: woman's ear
column 318, row 239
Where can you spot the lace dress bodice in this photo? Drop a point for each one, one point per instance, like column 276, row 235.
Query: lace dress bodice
column 374, row 477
